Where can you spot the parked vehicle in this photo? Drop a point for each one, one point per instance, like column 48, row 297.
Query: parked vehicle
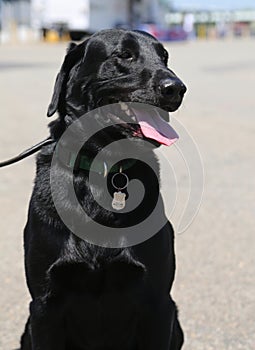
column 77, row 18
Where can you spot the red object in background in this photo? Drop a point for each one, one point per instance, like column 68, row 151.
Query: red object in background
column 173, row 34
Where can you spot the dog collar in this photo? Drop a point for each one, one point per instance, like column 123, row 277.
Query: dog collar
column 82, row 162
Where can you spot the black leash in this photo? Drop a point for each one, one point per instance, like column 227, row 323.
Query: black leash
column 27, row 152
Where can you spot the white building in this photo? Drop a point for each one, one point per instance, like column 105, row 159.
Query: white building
column 93, row 15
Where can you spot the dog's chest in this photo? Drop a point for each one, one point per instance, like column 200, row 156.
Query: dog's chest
column 95, row 271
column 106, row 321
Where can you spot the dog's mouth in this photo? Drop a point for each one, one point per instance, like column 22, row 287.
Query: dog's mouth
column 154, row 127
column 146, row 122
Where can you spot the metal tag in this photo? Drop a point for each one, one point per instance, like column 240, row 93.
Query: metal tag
column 118, row 201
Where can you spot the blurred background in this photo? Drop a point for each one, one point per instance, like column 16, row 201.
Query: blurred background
column 53, row 20
column 212, row 48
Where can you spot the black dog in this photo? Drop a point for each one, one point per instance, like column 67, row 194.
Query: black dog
column 87, row 297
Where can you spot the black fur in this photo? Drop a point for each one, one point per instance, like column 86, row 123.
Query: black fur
column 86, row 297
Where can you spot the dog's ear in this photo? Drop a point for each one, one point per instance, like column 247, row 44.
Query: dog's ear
column 74, row 55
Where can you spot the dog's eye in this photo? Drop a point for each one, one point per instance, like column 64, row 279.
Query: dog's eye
column 125, row 55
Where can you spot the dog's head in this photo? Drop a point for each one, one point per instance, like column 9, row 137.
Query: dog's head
column 115, row 66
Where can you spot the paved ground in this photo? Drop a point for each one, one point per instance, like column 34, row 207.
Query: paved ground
column 214, row 286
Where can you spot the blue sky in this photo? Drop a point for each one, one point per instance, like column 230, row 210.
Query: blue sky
column 214, row 4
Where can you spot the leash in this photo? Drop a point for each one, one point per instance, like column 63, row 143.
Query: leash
column 28, row 152
column 68, row 158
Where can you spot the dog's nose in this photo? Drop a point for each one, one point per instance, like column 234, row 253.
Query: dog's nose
column 172, row 88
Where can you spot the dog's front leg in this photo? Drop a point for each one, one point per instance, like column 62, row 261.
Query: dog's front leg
column 46, row 325
column 160, row 328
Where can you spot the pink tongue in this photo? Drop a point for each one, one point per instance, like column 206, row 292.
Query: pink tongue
column 156, row 128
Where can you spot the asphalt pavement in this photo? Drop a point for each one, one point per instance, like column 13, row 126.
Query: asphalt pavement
column 214, row 285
